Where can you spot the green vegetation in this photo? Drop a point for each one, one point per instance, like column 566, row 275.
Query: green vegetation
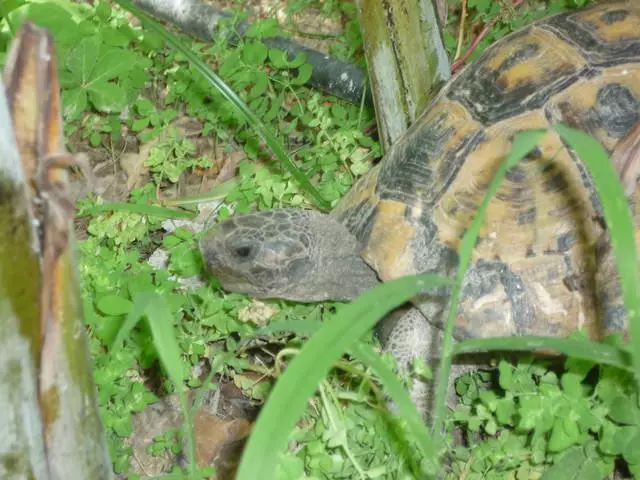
column 530, row 419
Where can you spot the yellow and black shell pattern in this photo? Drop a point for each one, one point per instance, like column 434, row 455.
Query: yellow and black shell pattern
column 543, row 264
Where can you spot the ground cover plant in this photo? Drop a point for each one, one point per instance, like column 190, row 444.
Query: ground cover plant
column 519, row 422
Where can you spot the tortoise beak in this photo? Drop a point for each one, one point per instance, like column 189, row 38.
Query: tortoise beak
column 211, row 247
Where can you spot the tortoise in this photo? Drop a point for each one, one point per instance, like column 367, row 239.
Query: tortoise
column 543, row 263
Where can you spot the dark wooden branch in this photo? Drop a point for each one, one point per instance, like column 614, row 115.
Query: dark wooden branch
column 344, row 80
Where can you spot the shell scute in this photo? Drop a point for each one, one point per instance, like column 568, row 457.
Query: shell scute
column 518, row 75
column 606, row 34
column 420, row 168
column 606, row 106
column 542, row 264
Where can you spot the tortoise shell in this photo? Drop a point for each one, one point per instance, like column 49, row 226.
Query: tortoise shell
column 542, row 264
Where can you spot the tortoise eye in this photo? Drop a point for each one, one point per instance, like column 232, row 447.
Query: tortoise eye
column 243, row 251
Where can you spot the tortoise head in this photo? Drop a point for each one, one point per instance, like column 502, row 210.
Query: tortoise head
column 292, row 254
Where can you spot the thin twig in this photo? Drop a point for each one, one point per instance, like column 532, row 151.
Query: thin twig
column 475, row 43
column 463, row 18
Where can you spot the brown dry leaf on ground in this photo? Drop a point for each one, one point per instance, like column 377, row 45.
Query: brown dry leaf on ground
column 221, row 425
column 219, row 442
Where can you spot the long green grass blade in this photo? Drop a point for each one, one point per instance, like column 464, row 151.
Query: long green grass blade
column 523, row 143
column 155, row 308
column 219, row 192
column 620, row 225
column 398, row 393
column 595, row 352
column 288, row 398
column 241, row 107
column 140, row 209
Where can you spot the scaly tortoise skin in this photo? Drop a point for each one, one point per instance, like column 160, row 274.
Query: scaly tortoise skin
column 543, row 264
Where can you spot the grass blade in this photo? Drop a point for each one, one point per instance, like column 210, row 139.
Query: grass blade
column 398, row 393
column 523, row 143
column 288, row 398
column 155, row 308
column 592, row 351
column 140, row 209
column 241, row 108
column 219, row 192
column 620, row 225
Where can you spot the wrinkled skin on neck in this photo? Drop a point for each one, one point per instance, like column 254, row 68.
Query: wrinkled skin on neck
column 293, row 254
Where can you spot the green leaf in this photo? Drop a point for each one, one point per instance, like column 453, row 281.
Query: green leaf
column 300, row 59
column 572, row 384
column 531, row 411
column 84, row 58
column 140, row 124
column 74, row 102
column 152, row 42
column 290, row 393
column 113, row 37
column 490, row 399
column 107, row 329
column 263, row 28
column 304, row 74
column 625, row 441
column 113, row 63
column 114, row 305
column 506, row 375
column 10, row 5
column 579, row 366
column 278, row 58
column 620, row 224
column 505, row 411
column 612, row 383
column 103, row 10
column 107, row 97
column 95, row 139
column 57, row 19
column 144, row 107
column 624, row 410
column 631, row 452
column 240, row 108
column 574, row 465
column 255, row 53
column 607, row 443
column 261, row 83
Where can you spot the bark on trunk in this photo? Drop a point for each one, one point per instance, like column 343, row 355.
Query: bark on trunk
column 47, row 396
column 406, row 58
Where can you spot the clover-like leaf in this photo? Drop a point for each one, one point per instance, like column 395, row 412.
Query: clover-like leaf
column 563, row 435
column 255, row 53
column 304, row 74
column 624, row 410
column 278, row 58
column 631, row 451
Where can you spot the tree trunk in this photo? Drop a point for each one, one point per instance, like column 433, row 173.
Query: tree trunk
column 47, row 397
column 407, row 61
